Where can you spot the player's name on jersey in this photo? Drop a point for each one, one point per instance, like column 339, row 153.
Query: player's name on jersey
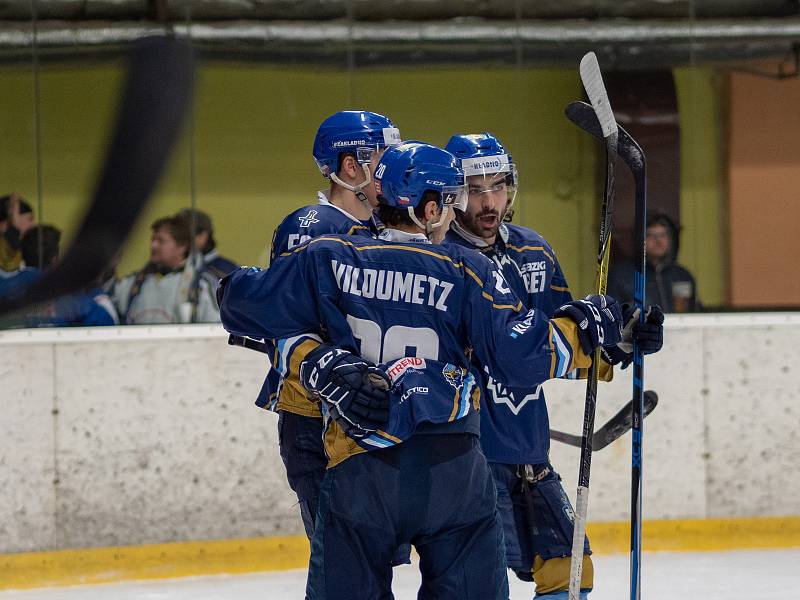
column 394, row 286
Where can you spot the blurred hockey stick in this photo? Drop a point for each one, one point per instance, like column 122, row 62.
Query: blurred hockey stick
column 593, row 84
column 155, row 99
column 615, row 428
column 583, row 116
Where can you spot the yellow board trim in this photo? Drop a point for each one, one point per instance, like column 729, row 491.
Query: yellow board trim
column 156, row 561
column 186, row 559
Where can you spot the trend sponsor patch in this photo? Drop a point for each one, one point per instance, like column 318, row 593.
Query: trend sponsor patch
column 399, row 367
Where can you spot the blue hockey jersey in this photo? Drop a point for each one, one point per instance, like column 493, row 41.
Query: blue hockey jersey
column 283, row 391
column 388, row 300
column 313, row 221
column 514, row 425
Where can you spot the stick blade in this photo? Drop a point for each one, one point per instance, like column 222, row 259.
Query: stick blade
column 620, row 423
column 596, row 90
column 614, row 429
column 582, row 114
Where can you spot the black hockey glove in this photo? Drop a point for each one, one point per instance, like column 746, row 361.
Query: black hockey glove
column 354, row 390
column 649, row 335
column 599, row 320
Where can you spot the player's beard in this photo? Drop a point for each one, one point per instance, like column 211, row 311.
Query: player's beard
column 484, row 224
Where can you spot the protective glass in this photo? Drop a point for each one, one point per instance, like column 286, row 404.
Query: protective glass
column 495, row 182
column 455, row 196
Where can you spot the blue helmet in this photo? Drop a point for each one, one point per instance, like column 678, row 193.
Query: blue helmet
column 405, row 172
column 483, row 154
column 357, row 131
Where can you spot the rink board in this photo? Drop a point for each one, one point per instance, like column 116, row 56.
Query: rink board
column 145, row 436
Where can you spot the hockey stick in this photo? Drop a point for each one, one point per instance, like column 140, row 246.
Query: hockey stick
column 615, row 427
column 157, row 93
column 249, row 343
column 631, row 153
column 593, row 84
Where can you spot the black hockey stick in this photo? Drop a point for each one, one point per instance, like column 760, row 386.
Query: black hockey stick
column 249, row 343
column 583, row 116
column 156, row 95
column 615, row 427
column 595, row 89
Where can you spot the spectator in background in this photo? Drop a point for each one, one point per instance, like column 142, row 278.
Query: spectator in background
column 669, row 285
column 161, row 292
column 205, row 244
column 40, row 247
column 16, row 217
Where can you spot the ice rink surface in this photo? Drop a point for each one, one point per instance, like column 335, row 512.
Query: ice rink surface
column 740, row 575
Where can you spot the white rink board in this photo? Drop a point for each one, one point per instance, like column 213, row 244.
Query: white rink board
column 117, row 436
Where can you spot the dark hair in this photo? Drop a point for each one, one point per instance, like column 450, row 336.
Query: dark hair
column 5, row 202
column 202, row 224
column 178, row 229
column 393, row 216
column 44, row 237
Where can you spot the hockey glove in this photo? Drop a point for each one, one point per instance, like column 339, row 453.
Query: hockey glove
column 649, row 335
column 355, row 391
column 599, row 319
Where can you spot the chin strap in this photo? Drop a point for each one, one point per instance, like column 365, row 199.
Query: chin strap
column 429, row 227
column 358, row 190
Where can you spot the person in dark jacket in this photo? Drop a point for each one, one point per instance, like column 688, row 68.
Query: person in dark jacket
column 669, row 285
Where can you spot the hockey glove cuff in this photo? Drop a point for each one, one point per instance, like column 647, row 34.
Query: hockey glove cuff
column 355, row 391
column 649, row 335
column 599, row 319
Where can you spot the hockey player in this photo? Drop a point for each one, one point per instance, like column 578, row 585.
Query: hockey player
column 402, row 301
column 347, row 146
column 536, row 514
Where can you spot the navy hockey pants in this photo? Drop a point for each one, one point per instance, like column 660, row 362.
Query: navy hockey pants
column 300, row 440
column 538, row 522
column 435, row 491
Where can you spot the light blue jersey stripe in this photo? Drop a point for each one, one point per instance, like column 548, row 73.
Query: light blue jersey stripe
column 466, row 392
column 562, row 353
column 378, row 441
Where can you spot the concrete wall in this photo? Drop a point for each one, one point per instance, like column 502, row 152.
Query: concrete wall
column 149, row 434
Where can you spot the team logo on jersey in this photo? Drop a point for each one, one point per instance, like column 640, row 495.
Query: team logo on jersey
column 502, row 395
column 310, row 218
column 400, row 367
column 453, row 375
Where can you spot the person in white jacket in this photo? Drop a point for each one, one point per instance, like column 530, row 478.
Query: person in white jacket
column 162, row 291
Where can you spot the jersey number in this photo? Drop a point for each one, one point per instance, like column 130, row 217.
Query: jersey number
column 396, row 342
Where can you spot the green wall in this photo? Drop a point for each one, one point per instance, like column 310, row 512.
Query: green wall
column 704, row 216
column 254, row 126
